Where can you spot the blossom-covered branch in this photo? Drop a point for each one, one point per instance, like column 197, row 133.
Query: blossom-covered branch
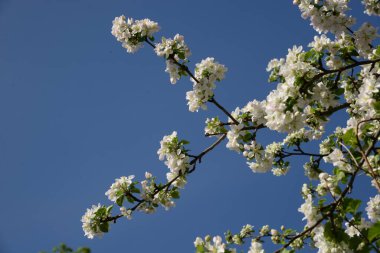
column 340, row 70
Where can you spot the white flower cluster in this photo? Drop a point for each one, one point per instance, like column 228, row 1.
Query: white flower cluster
column 119, row 188
column 333, row 47
column 326, row 246
column 283, row 105
column 173, row 70
column 326, row 16
column 354, row 229
column 246, row 230
column 372, row 7
column 328, row 184
column 323, row 96
column 256, row 247
column 148, row 189
column 214, row 246
column 126, row 212
column 264, row 230
column 256, row 110
column 338, row 160
column 213, row 126
column 326, row 146
column 263, row 158
column 310, row 212
column 207, row 72
column 178, row 50
column 233, row 136
column 365, row 101
column 133, row 33
column 373, row 208
column 240, row 140
column 364, row 37
column 286, row 108
column 175, row 46
column 235, row 133
column 298, row 137
column 152, row 198
column 175, row 156
column 91, row 224
column 320, row 43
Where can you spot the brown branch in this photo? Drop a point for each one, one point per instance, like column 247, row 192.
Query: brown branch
column 306, row 85
column 336, row 203
column 334, row 109
column 187, row 70
column 189, row 170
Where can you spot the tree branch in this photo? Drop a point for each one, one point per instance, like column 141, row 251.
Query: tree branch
column 189, row 170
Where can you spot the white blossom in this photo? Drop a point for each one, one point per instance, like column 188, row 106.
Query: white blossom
column 119, row 188
column 365, row 100
column 131, row 33
column 297, row 137
column 373, row 208
column 256, row 247
column 310, row 212
column 338, row 160
column 284, row 106
column 126, row 212
column 264, row 230
column 355, row 230
column 172, row 70
column 214, row 126
column 372, row 7
column 326, row 246
column 256, row 110
column 207, row 72
column 175, row 156
column 246, row 230
column 233, row 136
column 364, row 37
column 327, row 17
column 175, row 47
column 327, row 184
column 176, row 52
column 320, row 43
column 90, row 222
column 214, row 246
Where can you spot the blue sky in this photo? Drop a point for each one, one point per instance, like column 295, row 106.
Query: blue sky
column 77, row 112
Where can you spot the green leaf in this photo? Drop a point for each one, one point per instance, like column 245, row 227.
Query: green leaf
column 351, row 205
column 374, row 231
column 104, row 227
column 334, row 233
column 184, row 142
column 377, row 51
column 181, row 55
column 83, row 250
column 175, row 194
column 119, row 200
column 350, row 138
column 135, row 190
column 376, row 105
column 339, row 91
column 328, row 232
column 130, row 199
column 109, row 208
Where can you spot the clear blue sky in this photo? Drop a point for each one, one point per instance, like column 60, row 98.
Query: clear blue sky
column 77, row 112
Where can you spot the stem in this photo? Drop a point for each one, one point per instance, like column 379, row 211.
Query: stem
column 304, row 87
column 212, row 100
column 336, row 203
column 187, row 70
column 193, row 162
